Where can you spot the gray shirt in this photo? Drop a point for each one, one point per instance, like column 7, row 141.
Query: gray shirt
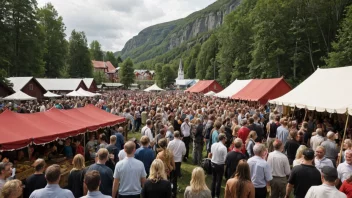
column 282, row 134
column 2, row 183
column 52, row 191
column 202, row 194
column 94, row 194
column 260, row 171
column 331, row 150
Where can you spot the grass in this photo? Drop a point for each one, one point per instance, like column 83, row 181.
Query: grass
column 186, row 170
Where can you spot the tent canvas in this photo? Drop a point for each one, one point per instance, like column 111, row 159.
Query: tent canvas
column 262, row 90
column 204, row 86
column 49, row 94
column 210, row 93
column 310, row 93
column 74, row 94
column 153, row 88
column 232, row 89
column 19, row 95
column 85, row 93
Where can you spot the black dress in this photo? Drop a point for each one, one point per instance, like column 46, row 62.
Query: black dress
column 160, row 189
column 34, row 182
column 75, row 182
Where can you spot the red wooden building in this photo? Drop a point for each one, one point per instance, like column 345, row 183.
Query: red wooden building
column 5, row 90
column 28, row 85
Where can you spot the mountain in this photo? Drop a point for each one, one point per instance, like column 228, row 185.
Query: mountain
column 159, row 39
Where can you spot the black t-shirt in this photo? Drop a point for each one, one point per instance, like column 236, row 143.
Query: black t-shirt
column 160, row 189
column 303, row 177
column 75, row 182
column 291, row 147
column 34, row 182
column 273, row 128
column 232, row 159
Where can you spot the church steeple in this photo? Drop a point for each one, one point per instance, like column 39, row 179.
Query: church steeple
column 181, row 74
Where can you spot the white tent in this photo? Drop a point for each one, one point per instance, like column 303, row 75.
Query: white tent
column 85, row 93
column 73, row 94
column 324, row 90
column 49, row 94
column 19, row 95
column 154, row 88
column 210, row 93
column 232, row 89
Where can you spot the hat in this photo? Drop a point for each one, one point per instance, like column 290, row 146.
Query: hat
column 309, row 154
column 329, row 172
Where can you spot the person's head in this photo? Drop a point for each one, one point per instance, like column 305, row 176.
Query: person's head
column 238, row 143
column 157, row 171
column 277, row 118
column 259, row 150
column 162, row 143
column 103, row 154
column 145, row 141
column 149, row 123
column 113, row 139
column 299, row 152
column 78, row 162
column 39, row 165
column 130, row 147
column 320, row 152
column 198, row 180
column 92, row 180
column 347, row 144
column 12, row 189
column 251, row 120
column 308, row 154
column 329, row 175
column 5, row 170
column 236, row 129
column 120, row 130
column 278, row 146
column 319, row 131
column 252, row 135
column 244, row 122
column 217, row 125
column 330, row 135
column 348, row 156
column 53, row 174
column 177, row 134
column 102, row 137
column 222, row 138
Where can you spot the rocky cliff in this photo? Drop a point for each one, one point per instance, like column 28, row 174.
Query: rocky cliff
column 159, row 39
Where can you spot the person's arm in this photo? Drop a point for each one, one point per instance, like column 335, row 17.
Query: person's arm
column 287, row 167
column 115, row 187
column 227, row 191
column 69, row 182
column 289, row 188
column 252, row 191
column 143, row 179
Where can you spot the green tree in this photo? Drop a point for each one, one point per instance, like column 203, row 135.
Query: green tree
column 159, row 75
column 207, row 52
column 168, row 76
column 126, row 73
column 99, row 77
column 191, row 61
column 342, row 48
column 79, row 61
column 111, row 57
column 54, row 39
column 95, row 51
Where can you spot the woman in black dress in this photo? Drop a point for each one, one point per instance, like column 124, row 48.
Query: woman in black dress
column 76, row 177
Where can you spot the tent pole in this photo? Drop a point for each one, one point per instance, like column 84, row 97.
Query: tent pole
column 305, row 115
column 343, row 139
column 293, row 112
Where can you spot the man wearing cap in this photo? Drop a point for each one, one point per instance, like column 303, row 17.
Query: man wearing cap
column 37, row 180
column 327, row 189
column 303, row 176
column 320, row 160
column 331, row 150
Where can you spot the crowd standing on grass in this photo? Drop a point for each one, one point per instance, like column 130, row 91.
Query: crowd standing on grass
column 255, row 149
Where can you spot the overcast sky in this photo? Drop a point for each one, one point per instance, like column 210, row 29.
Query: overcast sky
column 114, row 22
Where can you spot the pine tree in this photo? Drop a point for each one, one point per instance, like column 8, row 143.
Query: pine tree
column 80, row 65
column 95, row 51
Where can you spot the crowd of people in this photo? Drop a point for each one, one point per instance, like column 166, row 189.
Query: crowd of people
column 255, row 149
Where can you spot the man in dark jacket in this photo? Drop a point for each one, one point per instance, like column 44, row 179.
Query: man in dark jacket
column 198, row 143
column 257, row 128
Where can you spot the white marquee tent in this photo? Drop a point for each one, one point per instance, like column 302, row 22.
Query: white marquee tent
column 210, row 93
column 154, row 88
column 85, row 93
column 74, row 94
column 324, row 90
column 19, row 95
column 49, row 94
column 232, row 89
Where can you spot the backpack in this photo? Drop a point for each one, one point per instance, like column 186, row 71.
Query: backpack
column 206, row 165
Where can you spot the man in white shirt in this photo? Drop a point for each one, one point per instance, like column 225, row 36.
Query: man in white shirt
column 317, row 139
column 178, row 149
column 218, row 154
column 344, row 169
column 186, row 131
column 327, row 189
column 320, row 160
column 280, row 169
column 146, row 130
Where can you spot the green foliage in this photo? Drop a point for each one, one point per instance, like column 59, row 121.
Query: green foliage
column 126, row 73
column 109, row 56
column 79, row 62
column 100, row 77
column 169, row 76
column 95, row 51
column 54, row 40
column 342, row 48
column 159, row 75
column 208, row 52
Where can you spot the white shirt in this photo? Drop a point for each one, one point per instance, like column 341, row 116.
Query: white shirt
column 122, row 155
column 319, row 164
column 219, row 152
column 42, row 108
column 315, row 141
column 186, row 129
column 147, row 132
column 279, row 164
column 178, row 148
column 344, row 171
column 324, row 191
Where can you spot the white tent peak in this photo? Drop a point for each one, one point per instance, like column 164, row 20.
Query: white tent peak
column 154, row 88
column 49, row 94
column 210, row 93
column 19, row 95
column 233, row 88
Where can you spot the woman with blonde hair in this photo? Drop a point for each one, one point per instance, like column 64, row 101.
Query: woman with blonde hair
column 157, row 185
column 250, row 143
column 166, row 156
column 240, row 186
column 76, row 177
column 299, row 155
column 198, row 187
column 12, row 189
column 347, row 145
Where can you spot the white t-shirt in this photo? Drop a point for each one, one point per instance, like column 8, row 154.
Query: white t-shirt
column 325, row 191
column 178, row 148
column 122, row 155
column 147, row 132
